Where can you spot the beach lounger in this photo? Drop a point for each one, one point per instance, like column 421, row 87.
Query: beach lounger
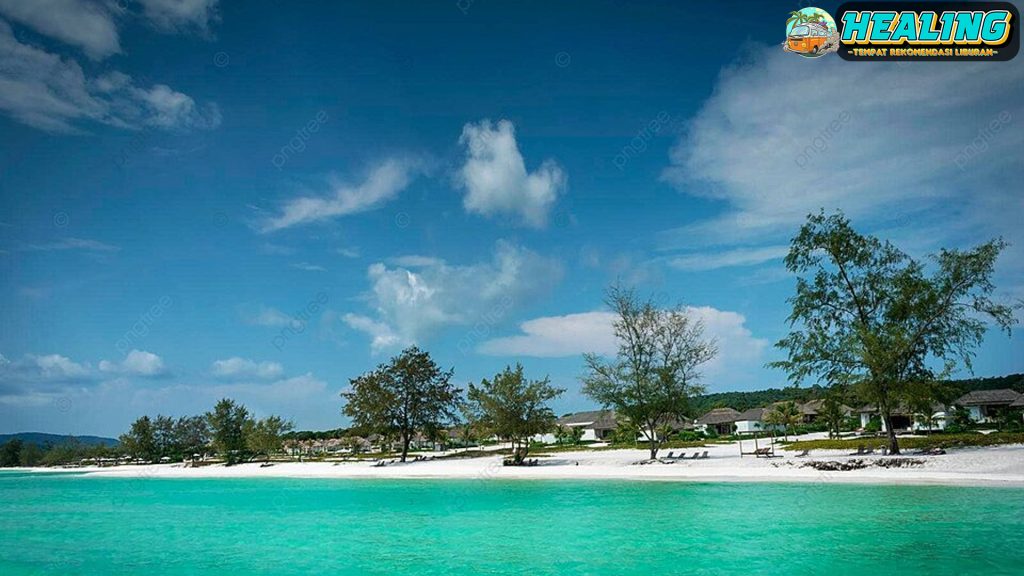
column 763, row 452
column 704, row 455
column 671, row 455
column 803, row 454
column 860, row 451
column 694, row 457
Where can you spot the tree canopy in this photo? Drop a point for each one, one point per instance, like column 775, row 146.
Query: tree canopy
column 406, row 395
column 513, row 407
column 869, row 315
column 657, row 367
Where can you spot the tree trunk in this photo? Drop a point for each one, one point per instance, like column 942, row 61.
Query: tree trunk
column 406, row 438
column 894, row 446
column 654, row 444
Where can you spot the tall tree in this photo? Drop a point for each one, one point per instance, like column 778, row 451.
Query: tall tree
column 513, row 407
column 140, row 440
column 657, row 368
column 407, row 395
column 163, row 437
column 227, row 426
column 192, row 436
column 867, row 314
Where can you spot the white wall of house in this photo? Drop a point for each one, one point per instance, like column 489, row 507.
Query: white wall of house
column 749, row 426
column 976, row 414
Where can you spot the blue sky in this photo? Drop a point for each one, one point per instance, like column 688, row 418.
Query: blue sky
column 212, row 198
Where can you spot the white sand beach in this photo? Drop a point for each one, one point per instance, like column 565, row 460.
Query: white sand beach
column 989, row 466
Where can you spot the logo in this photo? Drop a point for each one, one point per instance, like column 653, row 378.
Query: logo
column 811, row 32
column 928, row 30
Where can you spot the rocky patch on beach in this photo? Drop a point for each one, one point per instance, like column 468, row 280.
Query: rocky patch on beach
column 859, row 464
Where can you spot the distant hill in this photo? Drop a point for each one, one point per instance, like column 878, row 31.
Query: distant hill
column 43, row 439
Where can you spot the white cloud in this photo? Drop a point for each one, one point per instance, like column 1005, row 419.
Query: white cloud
column 740, row 354
column 410, row 305
column 135, row 363
column 51, row 93
column 178, row 15
column 414, row 261
column 57, row 367
column 36, row 379
column 383, row 183
column 237, row 368
column 496, row 179
column 895, row 144
column 728, row 258
column 85, row 24
column 558, row 336
column 71, row 244
column 381, row 335
column 307, row 267
column 272, row 317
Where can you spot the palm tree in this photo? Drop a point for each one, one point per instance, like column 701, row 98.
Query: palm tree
column 785, row 414
column 832, row 413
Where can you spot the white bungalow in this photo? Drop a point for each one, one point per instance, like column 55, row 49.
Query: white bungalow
column 597, row 425
column 752, row 422
column 984, row 405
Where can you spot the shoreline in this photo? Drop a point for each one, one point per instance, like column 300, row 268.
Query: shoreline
column 998, row 466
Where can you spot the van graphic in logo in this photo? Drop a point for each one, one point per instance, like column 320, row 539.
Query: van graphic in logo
column 811, row 32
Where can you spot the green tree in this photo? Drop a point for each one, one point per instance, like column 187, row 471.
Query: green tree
column 140, row 441
column 192, row 436
column 227, row 424
column 656, row 369
column 867, row 314
column 784, row 414
column 513, row 407
column 164, row 440
column 10, row 453
column 409, row 394
column 265, row 436
column 833, row 415
column 31, row 455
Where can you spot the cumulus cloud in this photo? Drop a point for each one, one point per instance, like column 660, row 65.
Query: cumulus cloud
column 33, row 379
column 740, row 354
column 51, row 93
column 381, row 185
column 496, row 180
column 135, row 363
column 892, row 144
column 84, row 24
column 411, row 303
column 239, row 368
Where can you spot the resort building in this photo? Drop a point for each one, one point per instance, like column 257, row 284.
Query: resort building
column 904, row 419
column 597, row 425
column 985, row 405
column 721, row 420
column 813, row 408
column 752, row 422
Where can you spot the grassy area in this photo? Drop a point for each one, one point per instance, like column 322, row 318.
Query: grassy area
column 917, row 443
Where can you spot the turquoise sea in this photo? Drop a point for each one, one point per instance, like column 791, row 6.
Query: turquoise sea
column 68, row 524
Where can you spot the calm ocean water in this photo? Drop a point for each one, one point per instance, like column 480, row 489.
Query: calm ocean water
column 67, row 524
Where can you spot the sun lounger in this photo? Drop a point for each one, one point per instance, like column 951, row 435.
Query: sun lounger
column 671, row 455
column 695, row 456
column 803, row 454
column 763, row 452
column 860, row 451
column 704, row 455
